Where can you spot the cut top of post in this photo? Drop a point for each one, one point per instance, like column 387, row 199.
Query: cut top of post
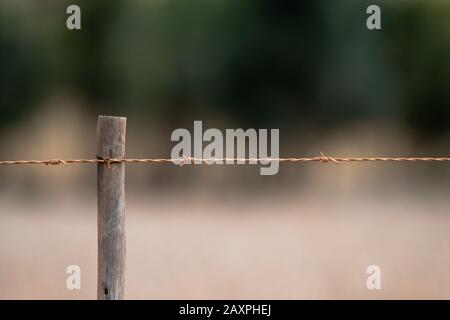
column 111, row 137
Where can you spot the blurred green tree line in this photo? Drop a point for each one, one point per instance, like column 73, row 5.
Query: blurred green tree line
column 263, row 62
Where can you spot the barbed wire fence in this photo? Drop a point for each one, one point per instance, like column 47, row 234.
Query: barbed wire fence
column 185, row 160
column 111, row 162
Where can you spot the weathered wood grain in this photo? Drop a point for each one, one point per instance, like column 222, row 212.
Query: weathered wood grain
column 111, row 208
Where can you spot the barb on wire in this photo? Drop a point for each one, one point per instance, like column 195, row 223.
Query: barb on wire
column 55, row 162
column 323, row 158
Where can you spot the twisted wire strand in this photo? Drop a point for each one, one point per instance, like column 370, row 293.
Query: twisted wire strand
column 192, row 160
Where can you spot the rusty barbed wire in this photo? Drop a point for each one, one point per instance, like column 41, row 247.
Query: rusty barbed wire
column 193, row 160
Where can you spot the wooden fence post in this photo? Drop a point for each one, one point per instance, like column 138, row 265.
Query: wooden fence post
column 111, row 208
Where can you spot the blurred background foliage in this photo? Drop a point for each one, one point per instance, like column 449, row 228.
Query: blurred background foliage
column 263, row 63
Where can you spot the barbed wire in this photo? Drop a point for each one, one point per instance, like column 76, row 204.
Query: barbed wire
column 193, row 160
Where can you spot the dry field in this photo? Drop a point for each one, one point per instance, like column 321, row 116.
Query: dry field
column 285, row 248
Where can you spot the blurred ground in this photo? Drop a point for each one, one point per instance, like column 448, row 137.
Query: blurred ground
column 284, row 247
